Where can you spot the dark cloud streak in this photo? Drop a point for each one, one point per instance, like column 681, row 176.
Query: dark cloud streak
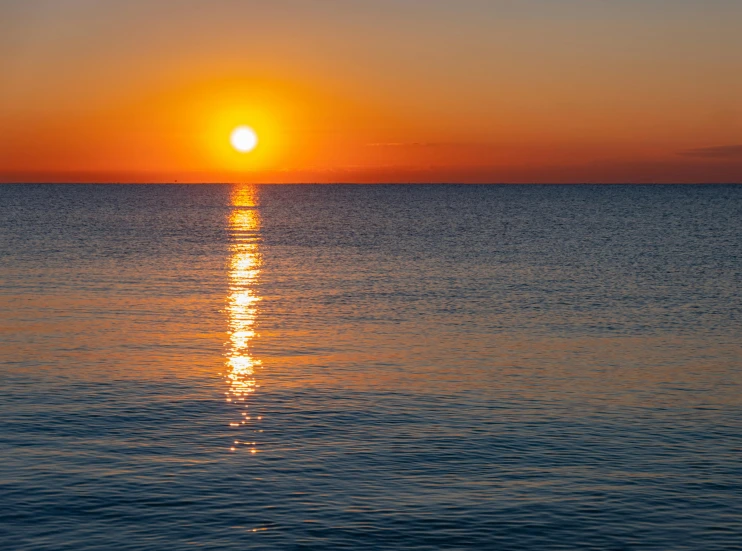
column 431, row 145
column 731, row 152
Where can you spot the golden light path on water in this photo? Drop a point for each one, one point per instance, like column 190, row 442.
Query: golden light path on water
column 242, row 304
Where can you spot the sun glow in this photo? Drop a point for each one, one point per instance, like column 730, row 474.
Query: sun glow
column 244, row 139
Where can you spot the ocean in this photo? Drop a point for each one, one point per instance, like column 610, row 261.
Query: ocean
column 371, row 367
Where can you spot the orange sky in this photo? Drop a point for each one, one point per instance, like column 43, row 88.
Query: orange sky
column 382, row 91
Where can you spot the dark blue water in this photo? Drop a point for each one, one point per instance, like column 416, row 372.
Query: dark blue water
column 370, row 367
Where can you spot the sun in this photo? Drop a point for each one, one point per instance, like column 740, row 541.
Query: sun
column 244, row 139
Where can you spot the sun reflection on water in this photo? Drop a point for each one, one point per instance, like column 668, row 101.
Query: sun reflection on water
column 242, row 302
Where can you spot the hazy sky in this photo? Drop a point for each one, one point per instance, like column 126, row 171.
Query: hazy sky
column 382, row 90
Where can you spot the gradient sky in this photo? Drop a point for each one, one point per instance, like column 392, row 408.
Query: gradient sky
column 366, row 91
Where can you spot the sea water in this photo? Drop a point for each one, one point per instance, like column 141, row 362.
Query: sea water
column 370, row 367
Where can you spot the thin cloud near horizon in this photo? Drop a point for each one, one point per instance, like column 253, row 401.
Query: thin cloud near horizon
column 733, row 152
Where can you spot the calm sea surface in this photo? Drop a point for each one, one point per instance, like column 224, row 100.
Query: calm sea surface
column 370, row 367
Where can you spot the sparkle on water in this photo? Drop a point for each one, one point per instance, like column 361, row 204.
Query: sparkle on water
column 244, row 269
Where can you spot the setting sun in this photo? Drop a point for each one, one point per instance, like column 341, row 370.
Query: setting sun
column 244, row 139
